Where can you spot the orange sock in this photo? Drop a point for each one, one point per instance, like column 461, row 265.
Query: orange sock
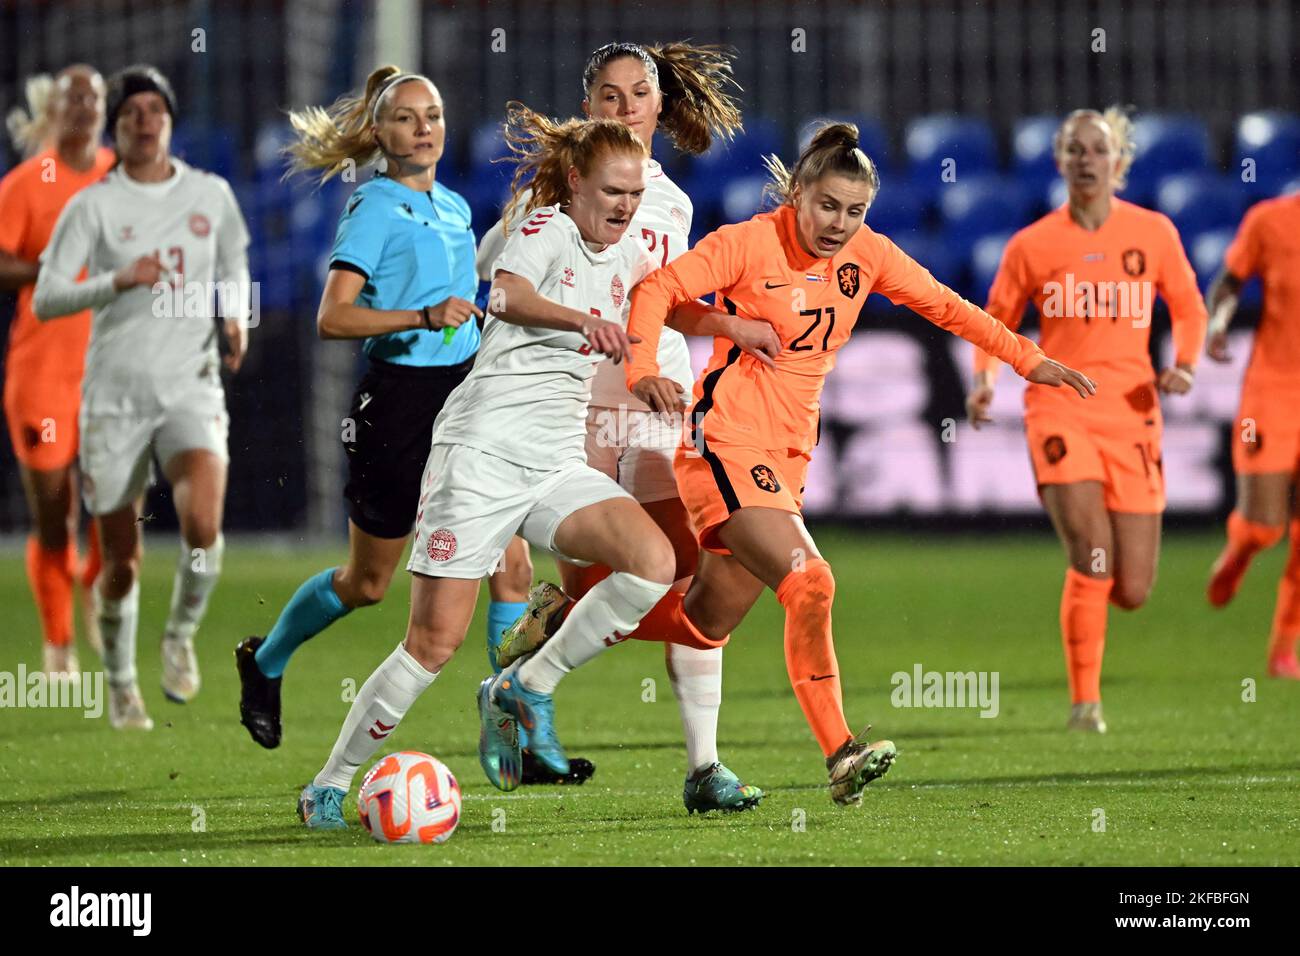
column 1083, row 633
column 807, row 597
column 94, row 558
column 1286, row 618
column 667, row 623
column 50, row 576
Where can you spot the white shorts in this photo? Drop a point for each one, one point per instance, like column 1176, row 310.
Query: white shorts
column 473, row 503
column 636, row 449
column 116, row 448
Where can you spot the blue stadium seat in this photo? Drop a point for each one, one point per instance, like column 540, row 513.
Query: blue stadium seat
column 487, row 183
column 930, row 140
column 268, row 161
column 1057, row 193
column 1166, row 143
column 986, row 256
column 978, row 206
column 1289, row 188
column 1206, row 253
column 1272, row 140
column 872, row 137
column 898, row 207
column 933, row 252
column 708, row 175
column 1033, row 161
column 209, row 148
column 1200, row 201
column 742, row 198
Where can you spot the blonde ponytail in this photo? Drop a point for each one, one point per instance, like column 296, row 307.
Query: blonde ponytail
column 832, row 150
column 30, row 128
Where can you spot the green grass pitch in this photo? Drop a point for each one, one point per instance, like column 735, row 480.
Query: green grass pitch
column 1190, row 773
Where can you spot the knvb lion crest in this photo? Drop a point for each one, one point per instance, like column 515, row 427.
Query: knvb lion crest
column 1135, row 263
column 850, row 278
column 1054, row 449
column 765, row 478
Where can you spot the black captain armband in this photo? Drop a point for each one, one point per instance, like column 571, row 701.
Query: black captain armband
column 428, row 321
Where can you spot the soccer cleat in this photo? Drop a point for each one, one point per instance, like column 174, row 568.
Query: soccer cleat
column 855, row 765
column 1284, row 666
column 259, row 695
column 717, row 788
column 498, row 741
column 1086, row 717
column 60, row 662
column 126, row 708
column 535, row 772
column 536, row 714
column 1225, row 577
column 321, row 808
column 547, row 608
column 180, row 676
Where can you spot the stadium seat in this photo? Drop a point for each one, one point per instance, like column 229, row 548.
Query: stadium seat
column 487, row 183
column 268, row 160
column 742, row 198
column 986, row 256
column 967, row 140
column 1166, row 143
column 1206, row 251
column 977, row 206
column 872, row 137
column 1290, row 188
column 898, row 207
column 209, row 148
column 1272, row 140
column 934, row 253
column 1033, row 161
column 709, row 174
column 1200, row 201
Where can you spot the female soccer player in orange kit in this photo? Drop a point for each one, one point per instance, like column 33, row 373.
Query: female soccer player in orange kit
column 1091, row 269
column 1266, row 436
column 806, row 267
column 44, row 364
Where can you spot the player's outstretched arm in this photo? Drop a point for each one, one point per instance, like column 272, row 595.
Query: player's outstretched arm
column 339, row 317
column 514, row 299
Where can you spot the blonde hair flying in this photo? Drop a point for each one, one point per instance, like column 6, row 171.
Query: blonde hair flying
column 30, row 128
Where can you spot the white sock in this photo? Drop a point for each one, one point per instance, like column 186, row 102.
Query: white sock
column 606, row 613
column 380, row 705
column 197, row 572
column 696, row 676
column 117, row 626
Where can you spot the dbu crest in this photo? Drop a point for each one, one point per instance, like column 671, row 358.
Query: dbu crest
column 849, row 277
column 765, row 478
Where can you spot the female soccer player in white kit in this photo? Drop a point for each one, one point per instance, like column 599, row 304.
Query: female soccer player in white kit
column 154, row 234
column 683, row 90
column 508, row 451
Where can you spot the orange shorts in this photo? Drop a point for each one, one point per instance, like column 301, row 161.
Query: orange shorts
column 1266, row 434
column 720, row 479
column 1121, row 452
column 42, row 423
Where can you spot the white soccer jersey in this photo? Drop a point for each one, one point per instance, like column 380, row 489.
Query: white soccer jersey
column 663, row 223
column 147, row 347
column 527, row 396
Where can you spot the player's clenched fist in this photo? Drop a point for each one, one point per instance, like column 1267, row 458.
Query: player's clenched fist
column 609, row 338
column 977, row 405
column 1053, row 373
column 144, row 271
column 661, row 394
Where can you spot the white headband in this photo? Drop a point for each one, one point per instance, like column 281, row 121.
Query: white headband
column 395, row 81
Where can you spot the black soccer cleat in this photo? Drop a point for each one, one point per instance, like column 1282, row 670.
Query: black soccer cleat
column 259, row 696
column 580, row 771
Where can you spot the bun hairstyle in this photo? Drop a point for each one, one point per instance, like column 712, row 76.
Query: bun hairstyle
column 694, row 82
column 1120, row 126
column 544, row 149
column 833, row 150
column 327, row 138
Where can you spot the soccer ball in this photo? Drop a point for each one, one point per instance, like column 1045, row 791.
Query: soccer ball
column 409, row 797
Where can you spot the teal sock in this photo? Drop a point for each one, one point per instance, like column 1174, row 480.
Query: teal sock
column 313, row 607
column 501, row 614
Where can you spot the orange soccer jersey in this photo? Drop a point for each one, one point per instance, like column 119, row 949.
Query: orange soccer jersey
column 752, row 428
column 1095, row 293
column 45, row 360
column 1267, row 433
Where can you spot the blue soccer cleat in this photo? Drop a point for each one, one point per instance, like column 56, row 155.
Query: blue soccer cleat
column 498, row 741
column 321, row 808
column 717, row 788
column 536, row 714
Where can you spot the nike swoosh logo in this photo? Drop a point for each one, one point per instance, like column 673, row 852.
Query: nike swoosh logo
column 365, row 400
column 823, row 677
column 777, row 285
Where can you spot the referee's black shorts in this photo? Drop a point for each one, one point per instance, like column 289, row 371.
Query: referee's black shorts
column 392, row 416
